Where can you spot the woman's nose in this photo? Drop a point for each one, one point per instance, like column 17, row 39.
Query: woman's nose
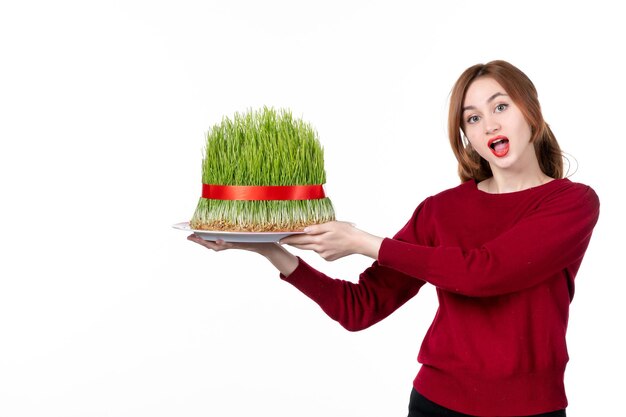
column 491, row 127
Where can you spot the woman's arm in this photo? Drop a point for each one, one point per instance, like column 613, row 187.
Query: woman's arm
column 546, row 242
column 356, row 306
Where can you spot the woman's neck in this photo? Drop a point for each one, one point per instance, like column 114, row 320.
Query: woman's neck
column 502, row 183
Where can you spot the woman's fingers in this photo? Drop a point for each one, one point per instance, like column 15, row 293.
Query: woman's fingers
column 220, row 245
column 312, row 234
column 333, row 226
column 330, row 240
column 308, row 246
column 316, row 229
column 217, row 245
column 294, row 240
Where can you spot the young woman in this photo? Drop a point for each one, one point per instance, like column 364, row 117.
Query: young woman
column 502, row 250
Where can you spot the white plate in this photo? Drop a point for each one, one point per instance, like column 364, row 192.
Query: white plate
column 235, row 236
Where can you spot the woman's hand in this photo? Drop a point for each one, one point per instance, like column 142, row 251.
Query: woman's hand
column 284, row 261
column 220, row 245
column 335, row 240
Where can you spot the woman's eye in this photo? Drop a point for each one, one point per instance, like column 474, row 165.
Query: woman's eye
column 501, row 107
column 472, row 119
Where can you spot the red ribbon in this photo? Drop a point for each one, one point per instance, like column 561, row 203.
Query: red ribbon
column 262, row 192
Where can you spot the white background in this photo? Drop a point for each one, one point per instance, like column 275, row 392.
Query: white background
column 106, row 310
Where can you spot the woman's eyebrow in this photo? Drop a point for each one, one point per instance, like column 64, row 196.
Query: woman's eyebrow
column 489, row 100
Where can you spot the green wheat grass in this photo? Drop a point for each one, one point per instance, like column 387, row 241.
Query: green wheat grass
column 262, row 147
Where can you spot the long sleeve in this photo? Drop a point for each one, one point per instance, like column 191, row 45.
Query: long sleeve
column 550, row 238
column 379, row 292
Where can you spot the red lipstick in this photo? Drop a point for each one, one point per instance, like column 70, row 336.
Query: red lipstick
column 499, row 145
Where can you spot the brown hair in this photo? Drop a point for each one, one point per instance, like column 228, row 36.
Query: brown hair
column 524, row 94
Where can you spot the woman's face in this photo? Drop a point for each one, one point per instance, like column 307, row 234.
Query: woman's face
column 495, row 126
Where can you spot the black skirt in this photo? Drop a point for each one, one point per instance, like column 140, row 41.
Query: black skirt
column 420, row 406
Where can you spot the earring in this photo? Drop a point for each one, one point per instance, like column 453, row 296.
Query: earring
column 465, row 141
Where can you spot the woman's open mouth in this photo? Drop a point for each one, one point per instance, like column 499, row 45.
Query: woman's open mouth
column 499, row 145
